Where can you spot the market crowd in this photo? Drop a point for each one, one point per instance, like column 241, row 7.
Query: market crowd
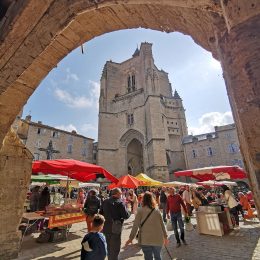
column 153, row 208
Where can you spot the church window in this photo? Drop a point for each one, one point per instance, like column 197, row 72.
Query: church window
column 176, row 123
column 129, row 84
column 130, row 119
column 55, row 134
column 194, row 154
column 84, row 152
column 210, row 151
column 69, row 148
column 39, row 131
column 133, row 82
column 38, row 143
column 233, row 148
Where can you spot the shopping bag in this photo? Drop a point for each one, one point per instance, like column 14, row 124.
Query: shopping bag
column 169, row 226
column 188, row 226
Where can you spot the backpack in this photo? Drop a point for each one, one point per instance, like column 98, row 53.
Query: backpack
column 91, row 207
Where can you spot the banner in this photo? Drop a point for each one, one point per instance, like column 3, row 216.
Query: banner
column 66, row 219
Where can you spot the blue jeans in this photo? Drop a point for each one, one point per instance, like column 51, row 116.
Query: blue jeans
column 177, row 218
column 163, row 206
column 152, row 251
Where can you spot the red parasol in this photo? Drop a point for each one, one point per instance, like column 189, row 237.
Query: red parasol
column 77, row 170
column 214, row 173
column 126, row 181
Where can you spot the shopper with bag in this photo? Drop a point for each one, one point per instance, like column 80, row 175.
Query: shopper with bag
column 152, row 234
column 115, row 212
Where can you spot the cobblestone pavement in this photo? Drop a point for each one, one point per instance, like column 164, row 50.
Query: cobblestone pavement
column 243, row 244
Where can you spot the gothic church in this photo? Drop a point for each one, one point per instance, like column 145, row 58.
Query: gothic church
column 141, row 123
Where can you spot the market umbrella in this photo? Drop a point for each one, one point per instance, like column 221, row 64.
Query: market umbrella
column 127, row 181
column 177, row 184
column 45, row 179
column 147, row 180
column 77, row 170
column 214, row 173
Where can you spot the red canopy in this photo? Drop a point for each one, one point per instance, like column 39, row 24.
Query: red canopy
column 74, row 169
column 214, row 173
column 126, row 181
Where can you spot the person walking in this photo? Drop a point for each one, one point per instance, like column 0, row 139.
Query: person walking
column 34, row 199
column 174, row 204
column 132, row 198
column 45, row 199
column 91, row 206
column 187, row 199
column 152, row 232
column 163, row 203
column 115, row 212
column 232, row 203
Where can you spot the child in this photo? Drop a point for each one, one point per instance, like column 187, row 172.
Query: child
column 94, row 244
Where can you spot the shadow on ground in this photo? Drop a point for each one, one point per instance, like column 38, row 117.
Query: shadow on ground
column 242, row 244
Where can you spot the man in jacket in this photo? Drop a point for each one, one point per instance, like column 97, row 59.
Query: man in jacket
column 174, row 204
column 163, row 202
column 115, row 212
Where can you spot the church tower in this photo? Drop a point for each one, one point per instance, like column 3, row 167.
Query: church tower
column 141, row 124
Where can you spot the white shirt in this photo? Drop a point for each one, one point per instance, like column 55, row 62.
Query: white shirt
column 186, row 196
column 231, row 201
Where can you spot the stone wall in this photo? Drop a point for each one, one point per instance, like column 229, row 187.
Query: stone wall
column 15, row 175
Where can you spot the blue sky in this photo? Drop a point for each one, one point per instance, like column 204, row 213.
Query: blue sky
column 68, row 97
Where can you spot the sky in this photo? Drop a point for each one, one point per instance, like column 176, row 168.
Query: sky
column 68, row 96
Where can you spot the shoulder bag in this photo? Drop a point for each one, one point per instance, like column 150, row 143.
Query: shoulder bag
column 144, row 222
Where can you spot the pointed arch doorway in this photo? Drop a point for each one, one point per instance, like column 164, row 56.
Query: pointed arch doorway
column 135, row 157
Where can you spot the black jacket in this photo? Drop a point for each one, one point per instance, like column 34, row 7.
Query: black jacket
column 113, row 209
column 92, row 205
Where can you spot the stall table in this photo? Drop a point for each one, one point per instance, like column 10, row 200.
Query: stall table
column 30, row 219
column 213, row 221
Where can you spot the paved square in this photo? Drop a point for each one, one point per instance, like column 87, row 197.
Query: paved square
column 243, row 244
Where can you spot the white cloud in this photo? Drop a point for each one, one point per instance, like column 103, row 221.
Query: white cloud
column 209, row 120
column 69, row 76
column 95, row 89
column 88, row 127
column 76, row 101
column 94, row 92
column 73, row 101
column 68, row 128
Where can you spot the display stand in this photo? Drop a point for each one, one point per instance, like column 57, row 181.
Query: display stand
column 30, row 219
column 213, row 223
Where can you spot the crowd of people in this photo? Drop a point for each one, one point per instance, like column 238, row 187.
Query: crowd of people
column 106, row 211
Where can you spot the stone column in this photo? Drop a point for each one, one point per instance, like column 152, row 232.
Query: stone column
column 239, row 52
column 15, row 174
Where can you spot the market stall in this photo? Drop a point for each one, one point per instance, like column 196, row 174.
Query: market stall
column 147, row 181
column 59, row 218
column 214, row 219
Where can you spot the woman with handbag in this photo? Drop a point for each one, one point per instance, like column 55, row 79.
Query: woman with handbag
column 152, row 233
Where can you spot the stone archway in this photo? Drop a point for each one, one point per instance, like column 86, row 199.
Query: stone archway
column 36, row 35
column 135, row 157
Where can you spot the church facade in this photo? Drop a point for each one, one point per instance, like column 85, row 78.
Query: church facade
column 141, row 123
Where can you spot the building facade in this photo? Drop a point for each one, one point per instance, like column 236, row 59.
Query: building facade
column 220, row 147
column 46, row 142
column 141, row 124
